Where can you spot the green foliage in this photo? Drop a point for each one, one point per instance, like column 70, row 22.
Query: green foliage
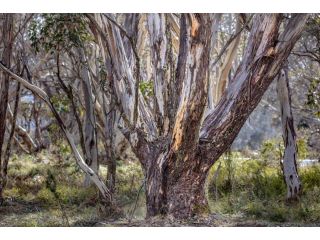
column 61, row 103
column 51, row 183
column 30, row 179
column 103, row 74
column 271, row 151
column 259, row 180
column 29, row 223
column 302, row 148
column 313, row 96
column 253, row 188
column 129, row 180
column 13, row 192
column 76, row 195
column 259, row 190
column 230, row 169
column 46, row 196
column 146, row 88
column 63, row 148
column 277, row 214
column 310, row 178
column 54, row 192
column 53, row 128
column 24, row 167
column 58, row 31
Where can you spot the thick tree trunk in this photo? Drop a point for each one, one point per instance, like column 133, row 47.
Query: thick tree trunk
column 163, row 70
column 175, row 186
column 156, row 198
column 186, row 193
column 7, row 36
column 177, row 190
column 174, row 182
column 176, row 164
column 289, row 163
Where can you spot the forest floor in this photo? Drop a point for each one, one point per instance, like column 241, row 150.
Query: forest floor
column 247, row 193
column 28, row 215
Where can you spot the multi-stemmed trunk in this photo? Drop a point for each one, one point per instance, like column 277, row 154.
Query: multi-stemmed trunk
column 177, row 172
column 177, row 149
column 177, row 190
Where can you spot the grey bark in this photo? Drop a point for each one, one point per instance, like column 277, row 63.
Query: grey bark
column 7, row 36
column 289, row 161
column 90, row 137
column 94, row 177
column 7, row 152
column 176, row 166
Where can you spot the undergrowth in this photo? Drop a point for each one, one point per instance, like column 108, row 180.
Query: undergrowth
column 249, row 186
column 258, row 191
column 46, row 189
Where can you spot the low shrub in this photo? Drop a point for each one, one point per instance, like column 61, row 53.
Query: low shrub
column 259, row 190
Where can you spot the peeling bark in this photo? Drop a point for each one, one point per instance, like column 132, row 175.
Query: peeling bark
column 289, row 162
column 131, row 25
column 264, row 56
column 176, row 164
column 190, row 155
column 174, row 184
column 124, row 82
column 90, row 140
column 161, row 77
column 193, row 78
column 110, row 119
